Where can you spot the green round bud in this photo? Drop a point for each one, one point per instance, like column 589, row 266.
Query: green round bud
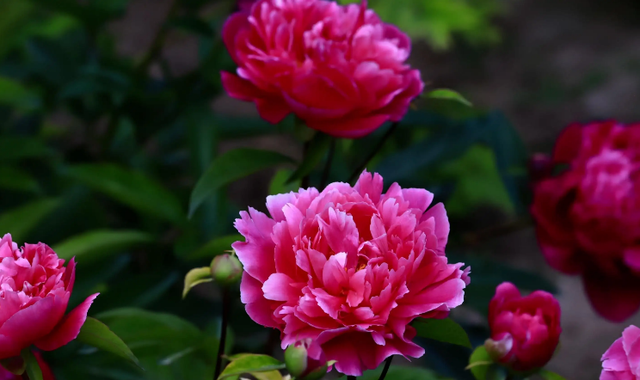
column 226, row 269
column 295, row 358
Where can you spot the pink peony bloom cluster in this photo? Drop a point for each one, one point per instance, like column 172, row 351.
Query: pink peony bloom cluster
column 622, row 359
column 349, row 268
column 338, row 68
column 525, row 331
column 588, row 216
column 34, row 293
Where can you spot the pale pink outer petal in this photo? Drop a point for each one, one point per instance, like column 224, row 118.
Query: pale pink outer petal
column 631, row 345
column 256, row 305
column 68, row 328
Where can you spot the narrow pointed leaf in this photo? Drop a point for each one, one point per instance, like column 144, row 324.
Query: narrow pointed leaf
column 443, row 330
column 230, row 167
column 447, row 94
column 250, row 363
column 131, row 188
column 92, row 245
column 97, row 334
column 195, row 277
column 21, row 220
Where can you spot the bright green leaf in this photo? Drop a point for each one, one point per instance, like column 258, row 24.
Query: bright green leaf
column 97, row 334
column 479, row 363
column 195, row 277
column 15, row 94
column 214, row 248
column 20, row 221
column 447, row 94
column 279, row 183
column 443, row 330
column 134, row 189
column 230, row 167
column 32, row 367
column 548, row 375
column 96, row 244
column 251, row 363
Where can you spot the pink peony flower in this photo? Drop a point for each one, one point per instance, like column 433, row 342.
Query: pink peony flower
column 34, row 292
column 349, row 268
column 338, row 68
column 588, row 216
column 622, row 359
column 525, row 331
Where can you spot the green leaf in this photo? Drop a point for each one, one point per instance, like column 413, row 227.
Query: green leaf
column 93, row 245
column 251, row 363
column 230, row 167
column 401, row 373
column 97, row 334
column 316, row 151
column 20, row 221
column 12, row 178
column 279, row 183
column 195, row 277
column 447, row 94
column 214, row 248
column 15, row 94
column 479, row 363
column 131, row 188
column 32, row 367
column 548, row 375
column 29, row 148
column 443, row 330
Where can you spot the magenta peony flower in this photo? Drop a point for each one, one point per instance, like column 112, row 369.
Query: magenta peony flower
column 339, row 68
column 525, row 331
column 588, row 216
column 34, row 292
column 349, row 268
column 622, row 359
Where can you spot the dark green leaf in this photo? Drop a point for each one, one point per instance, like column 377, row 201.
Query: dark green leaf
column 443, row 330
column 15, row 94
column 250, row 363
column 12, row 178
column 548, row 375
column 447, row 94
column 279, row 183
column 230, row 167
column 479, row 363
column 29, row 148
column 196, row 277
column 131, row 188
column 214, row 248
column 97, row 334
column 20, row 221
column 316, row 151
column 97, row 244
column 32, row 367
column 401, row 373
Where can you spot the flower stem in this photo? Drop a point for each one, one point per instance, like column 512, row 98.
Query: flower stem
column 364, row 164
column 226, row 308
column 327, row 167
column 387, row 364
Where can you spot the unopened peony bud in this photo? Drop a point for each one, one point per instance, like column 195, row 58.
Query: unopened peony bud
column 295, row 357
column 226, row 269
column 301, row 364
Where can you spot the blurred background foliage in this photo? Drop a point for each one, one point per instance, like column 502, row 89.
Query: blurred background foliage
column 100, row 152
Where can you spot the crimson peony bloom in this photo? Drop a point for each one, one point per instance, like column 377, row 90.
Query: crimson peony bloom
column 525, row 331
column 588, row 216
column 622, row 359
column 338, row 68
column 34, row 292
column 349, row 268
column 47, row 374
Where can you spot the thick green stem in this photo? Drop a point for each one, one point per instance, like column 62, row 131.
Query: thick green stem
column 364, row 164
column 226, row 309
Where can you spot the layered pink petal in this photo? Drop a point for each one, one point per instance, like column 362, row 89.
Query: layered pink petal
column 68, row 328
